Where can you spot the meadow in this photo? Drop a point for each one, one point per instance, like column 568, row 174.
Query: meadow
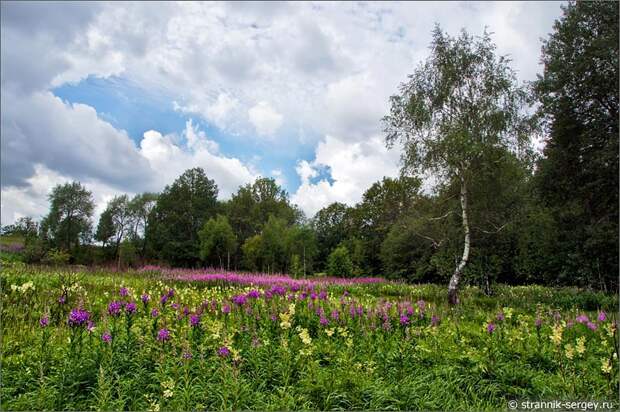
column 156, row 339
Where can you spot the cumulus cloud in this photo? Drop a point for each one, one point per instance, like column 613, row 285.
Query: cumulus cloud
column 266, row 119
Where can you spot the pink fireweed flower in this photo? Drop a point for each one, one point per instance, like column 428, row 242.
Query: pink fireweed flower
column 194, row 320
column 62, row 299
column 239, row 300
column 404, row 320
column 90, row 326
column 106, row 337
column 582, row 319
column 322, row 295
column 226, row 309
column 253, row 294
column 154, row 313
column 602, row 316
column 335, row 315
column 163, row 335
column 44, row 321
column 591, row 326
column 223, row 351
column 538, row 323
column 435, row 320
column 490, row 328
column 313, row 295
column 145, row 298
column 500, row 316
column 114, row 308
column 123, row 292
column 78, row 317
column 130, row 308
column 175, row 306
column 323, row 321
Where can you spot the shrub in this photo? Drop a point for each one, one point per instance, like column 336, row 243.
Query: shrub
column 339, row 263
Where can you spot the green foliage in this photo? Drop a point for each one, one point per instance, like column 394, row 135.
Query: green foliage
column 68, row 223
column 217, row 241
column 332, row 225
column 339, row 263
column 180, row 212
column 577, row 179
column 252, row 253
column 347, row 364
column 56, row 257
column 127, row 254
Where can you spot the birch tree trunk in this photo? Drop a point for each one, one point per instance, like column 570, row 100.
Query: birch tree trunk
column 453, row 298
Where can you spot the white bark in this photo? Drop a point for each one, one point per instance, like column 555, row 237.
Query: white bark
column 456, row 277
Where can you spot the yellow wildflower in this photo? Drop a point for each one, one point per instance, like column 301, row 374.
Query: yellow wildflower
column 329, row 332
column 305, row 337
column 569, row 351
column 605, row 366
column 581, row 345
column 556, row 336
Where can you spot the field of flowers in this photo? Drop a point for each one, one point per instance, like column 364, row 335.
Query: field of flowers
column 183, row 340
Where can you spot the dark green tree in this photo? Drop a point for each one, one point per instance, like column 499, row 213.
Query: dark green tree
column 578, row 177
column 339, row 263
column 454, row 112
column 217, row 241
column 180, row 212
column 332, row 225
column 68, row 223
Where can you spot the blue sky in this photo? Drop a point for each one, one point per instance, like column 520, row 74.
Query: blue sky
column 125, row 96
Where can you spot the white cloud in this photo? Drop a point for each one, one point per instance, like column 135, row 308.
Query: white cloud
column 265, row 119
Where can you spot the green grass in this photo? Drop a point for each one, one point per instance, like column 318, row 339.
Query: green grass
column 352, row 364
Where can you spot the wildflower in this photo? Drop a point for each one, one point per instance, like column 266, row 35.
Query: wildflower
column 500, row 317
column 582, row 319
column 194, row 320
column 434, row 320
column 329, row 332
column 223, row 352
column 605, row 366
column 322, row 295
column 323, row 321
column 305, row 337
column 130, row 308
column 313, row 295
column 404, row 320
column 602, row 316
column 123, row 292
column 490, row 328
column 226, row 309
column 62, row 299
column 187, row 355
column 154, row 313
column 285, row 319
column 507, row 312
column 591, row 326
column 168, row 393
column 335, row 315
column 78, row 317
column 175, row 306
column 253, row 294
column 556, row 316
column 163, row 335
column 569, row 351
column 556, row 336
column 581, row 345
column 90, row 326
column 145, row 298
column 163, row 299
column 106, row 337
column 44, row 321
column 239, row 300
column 538, row 323
column 114, row 308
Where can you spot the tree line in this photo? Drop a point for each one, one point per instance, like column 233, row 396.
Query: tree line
column 499, row 212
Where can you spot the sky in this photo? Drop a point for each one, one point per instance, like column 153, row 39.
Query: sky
column 124, row 97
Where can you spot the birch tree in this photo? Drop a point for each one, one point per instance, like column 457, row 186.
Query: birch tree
column 458, row 111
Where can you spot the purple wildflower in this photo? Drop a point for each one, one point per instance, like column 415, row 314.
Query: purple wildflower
column 78, row 317
column 313, row 295
column 253, row 294
column 602, row 316
column 163, row 335
column 490, row 328
column 360, row 310
column 163, row 299
column 226, row 308
column 170, row 293
column 322, row 295
column 435, row 320
column 90, row 326
column 194, row 320
column 500, row 316
column 223, row 351
column 114, row 308
column 335, row 315
column 239, row 300
column 591, row 326
column 175, row 306
column 62, row 299
column 404, row 320
column 106, row 337
column 323, row 321
column 154, row 313
column 145, row 298
column 421, row 305
column 273, row 318
column 123, row 292
column 538, row 323
column 44, row 321
column 187, row 355
column 130, row 308
column 582, row 318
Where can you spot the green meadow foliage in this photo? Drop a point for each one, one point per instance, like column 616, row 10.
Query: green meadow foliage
column 140, row 340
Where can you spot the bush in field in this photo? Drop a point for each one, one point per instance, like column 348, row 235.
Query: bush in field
column 56, row 257
column 339, row 263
